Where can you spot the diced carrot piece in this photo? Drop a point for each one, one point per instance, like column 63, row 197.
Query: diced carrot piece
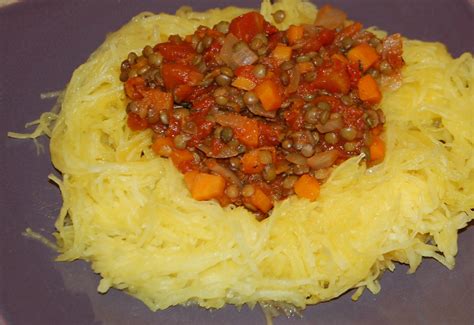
column 369, row 90
column 207, row 186
column 269, row 93
column 251, row 163
column 163, row 146
column 261, row 201
column 340, row 57
column 243, row 83
column 308, row 187
column 282, row 53
column 157, row 100
column 377, row 149
column 365, row 54
column 189, row 178
column 304, row 67
column 294, row 33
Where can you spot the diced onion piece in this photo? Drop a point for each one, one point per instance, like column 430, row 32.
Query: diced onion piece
column 258, row 110
column 323, row 159
column 296, row 158
column 244, row 56
column 330, row 125
column 226, row 51
column 217, row 168
column 294, row 81
column 330, row 17
column 244, row 83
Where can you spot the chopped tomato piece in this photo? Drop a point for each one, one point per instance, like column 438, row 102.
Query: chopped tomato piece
column 350, row 30
column 182, row 159
column 323, row 38
column 274, row 39
column 203, row 104
column 134, row 88
column 269, row 135
column 246, row 130
column 333, row 78
column 246, row 26
column 183, row 92
column 392, row 50
column 216, row 146
column 136, row 123
column 212, row 52
column 173, row 52
column 175, row 74
column 295, row 116
column 204, row 130
column 353, row 117
column 246, row 71
column 354, row 73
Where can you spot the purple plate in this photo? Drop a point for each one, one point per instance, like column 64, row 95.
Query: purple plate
column 41, row 43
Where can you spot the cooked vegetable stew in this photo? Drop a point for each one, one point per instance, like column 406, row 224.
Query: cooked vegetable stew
column 251, row 114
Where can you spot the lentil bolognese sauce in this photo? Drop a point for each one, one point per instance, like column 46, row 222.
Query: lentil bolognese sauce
column 251, row 114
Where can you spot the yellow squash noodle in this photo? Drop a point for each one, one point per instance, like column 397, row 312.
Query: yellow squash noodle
column 129, row 214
